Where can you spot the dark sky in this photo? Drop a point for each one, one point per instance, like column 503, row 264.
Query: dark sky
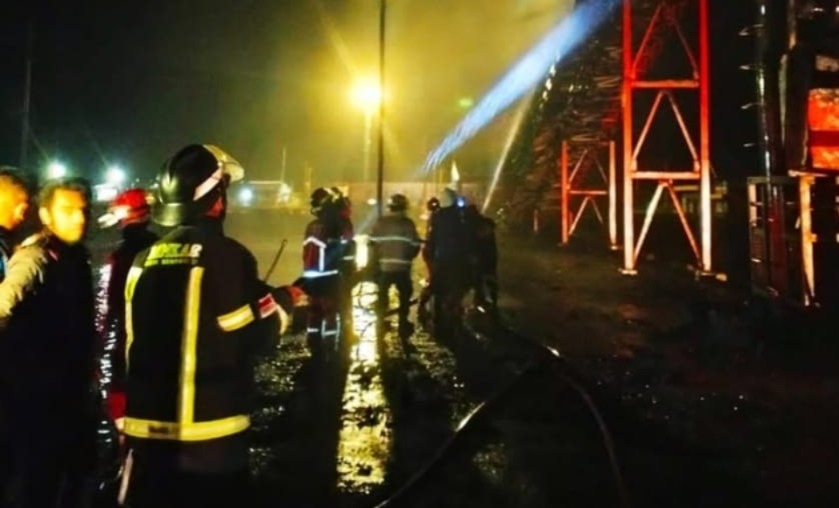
column 130, row 82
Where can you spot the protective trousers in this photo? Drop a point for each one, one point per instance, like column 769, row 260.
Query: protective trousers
column 323, row 317
column 402, row 280
column 156, row 483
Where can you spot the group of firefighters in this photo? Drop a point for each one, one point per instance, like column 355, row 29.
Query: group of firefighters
column 176, row 325
column 459, row 252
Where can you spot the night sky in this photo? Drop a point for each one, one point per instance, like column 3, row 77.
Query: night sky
column 130, row 82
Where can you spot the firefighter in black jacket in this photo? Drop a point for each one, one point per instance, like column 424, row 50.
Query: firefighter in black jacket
column 485, row 261
column 46, row 319
column 197, row 315
column 431, row 206
column 450, row 249
column 131, row 211
column 395, row 243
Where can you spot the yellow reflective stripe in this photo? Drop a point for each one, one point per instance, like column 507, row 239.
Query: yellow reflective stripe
column 189, row 342
column 240, row 317
column 130, row 284
column 193, row 431
column 284, row 319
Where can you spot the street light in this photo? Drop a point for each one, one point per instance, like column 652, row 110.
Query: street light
column 366, row 95
column 115, row 175
column 56, row 169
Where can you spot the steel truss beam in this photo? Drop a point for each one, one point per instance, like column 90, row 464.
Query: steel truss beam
column 635, row 61
column 572, row 185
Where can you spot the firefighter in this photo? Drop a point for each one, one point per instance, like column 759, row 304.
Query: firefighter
column 196, row 315
column 449, row 248
column 325, row 244
column 347, row 267
column 431, row 206
column 131, row 211
column 395, row 243
column 46, row 319
column 485, row 260
column 14, row 204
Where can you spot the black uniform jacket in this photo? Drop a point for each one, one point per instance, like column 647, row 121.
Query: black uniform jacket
column 196, row 317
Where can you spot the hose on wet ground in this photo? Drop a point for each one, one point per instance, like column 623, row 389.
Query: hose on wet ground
column 548, row 358
column 564, row 372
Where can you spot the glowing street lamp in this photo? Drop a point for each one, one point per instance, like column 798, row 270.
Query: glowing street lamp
column 115, row 175
column 246, row 196
column 56, row 169
column 366, row 95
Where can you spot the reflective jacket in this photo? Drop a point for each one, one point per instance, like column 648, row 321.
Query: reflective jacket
column 196, row 315
column 394, row 242
column 46, row 319
column 326, row 248
column 110, row 314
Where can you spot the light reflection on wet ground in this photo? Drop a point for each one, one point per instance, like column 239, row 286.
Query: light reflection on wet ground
column 365, row 437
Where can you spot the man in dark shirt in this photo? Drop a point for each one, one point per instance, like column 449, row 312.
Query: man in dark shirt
column 14, row 203
column 46, row 318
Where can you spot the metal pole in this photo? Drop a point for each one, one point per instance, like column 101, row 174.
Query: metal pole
column 704, row 136
column 381, row 169
column 613, row 207
column 628, row 144
column 24, row 128
column 368, row 143
column 282, row 168
column 563, row 193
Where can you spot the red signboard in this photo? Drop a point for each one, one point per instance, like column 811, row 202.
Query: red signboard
column 823, row 123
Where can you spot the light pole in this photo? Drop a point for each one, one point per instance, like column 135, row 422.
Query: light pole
column 367, row 96
column 368, row 143
column 381, row 162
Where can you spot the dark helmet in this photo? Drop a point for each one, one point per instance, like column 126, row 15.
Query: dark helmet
column 191, row 181
column 320, row 199
column 432, row 205
column 397, row 203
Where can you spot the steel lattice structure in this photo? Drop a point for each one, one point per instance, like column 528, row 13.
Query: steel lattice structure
column 637, row 58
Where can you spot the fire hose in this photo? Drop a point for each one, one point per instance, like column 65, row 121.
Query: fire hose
column 555, row 363
column 275, row 261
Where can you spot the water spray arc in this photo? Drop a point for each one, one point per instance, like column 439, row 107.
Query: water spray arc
column 524, row 75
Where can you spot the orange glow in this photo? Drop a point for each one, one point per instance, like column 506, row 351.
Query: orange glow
column 823, row 123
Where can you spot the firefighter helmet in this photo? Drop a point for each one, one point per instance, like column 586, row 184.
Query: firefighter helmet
column 129, row 207
column 191, row 181
column 432, row 205
column 320, row 199
column 397, row 203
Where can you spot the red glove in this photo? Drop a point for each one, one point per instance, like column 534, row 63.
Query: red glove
column 298, row 296
column 289, row 297
column 116, row 406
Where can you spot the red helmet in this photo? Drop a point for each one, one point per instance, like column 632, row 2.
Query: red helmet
column 129, row 207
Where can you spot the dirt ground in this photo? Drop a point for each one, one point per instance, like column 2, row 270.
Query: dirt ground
column 693, row 360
